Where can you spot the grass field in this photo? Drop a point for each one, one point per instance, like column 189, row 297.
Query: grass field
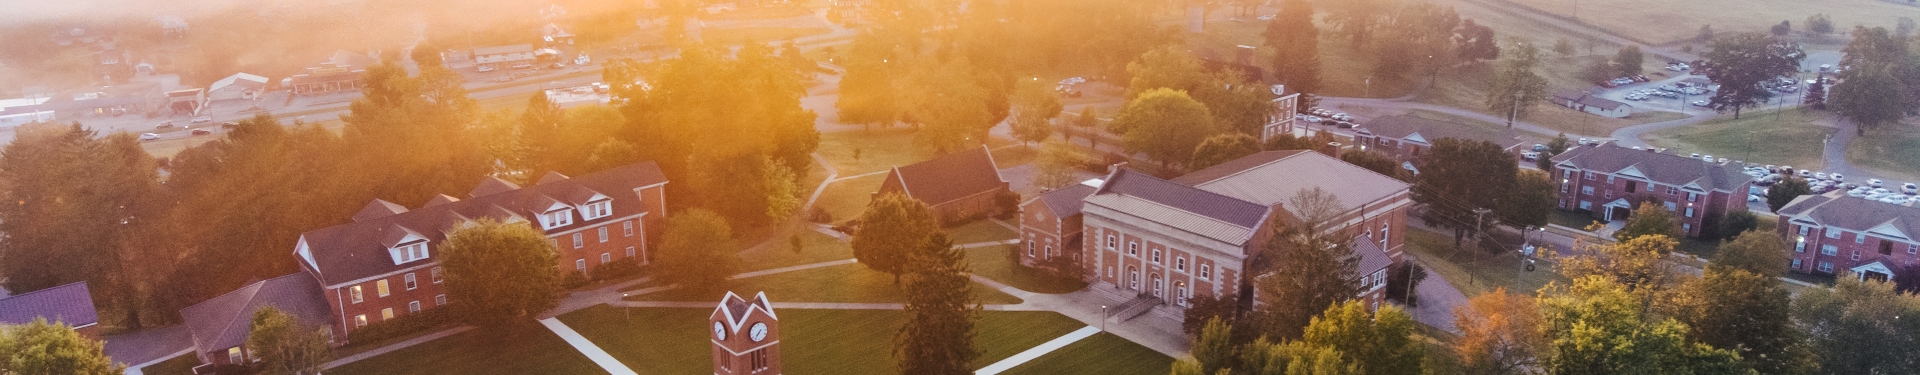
column 1662, row 21
column 521, row 349
column 852, row 283
column 992, row 262
column 814, row 248
column 982, row 230
column 662, row 341
column 182, row 365
column 1790, row 139
column 1475, row 272
column 1016, row 155
column 1894, row 150
column 1103, row 353
column 858, row 152
column 846, row 199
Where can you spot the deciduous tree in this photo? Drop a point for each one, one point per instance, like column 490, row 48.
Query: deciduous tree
column 1820, row 24
column 1628, row 60
column 1377, row 343
column 1165, row 124
column 1516, row 87
column 1639, row 265
column 1034, row 109
column 1741, row 62
column 41, row 348
column 1475, row 42
column 500, row 272
column 1861, row 327
column 1310, row 268
column 1882, row 80
column 1748, row 313
column 1784, row 191
column 1223, row 148
column 1458, row 177
column 1647, row 220
column 1529, row 201
column 284, row 346
column 1500, row 334
column 697, row 251
column 891, row 227
column 1595, row 327
column 1057, row 166
column 1376, row 162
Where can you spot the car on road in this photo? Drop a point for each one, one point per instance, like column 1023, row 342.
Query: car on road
column 484, row 68
column 202, row 119
column 202, row 131
column 1344, row 125
column 1529, row 155
column 229, row 124
column 1313, row 119
column 164, row 125
column 149, row 136
column 523, row 66
column 1539, row 147
column 1910, row 188
column 1699, row 103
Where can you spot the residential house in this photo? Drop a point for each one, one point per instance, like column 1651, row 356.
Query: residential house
column 1407, row 136
column 221, row 325
column 70, row 304
column 1608, row 180
column 1589, row 103
column 381, row 266
column 959, row 186
column 1833, row 232
column 1050, row 223
column 503, row 56
column 239, row 86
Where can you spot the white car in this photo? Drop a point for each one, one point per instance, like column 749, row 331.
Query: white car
column 149, row 136
column 1699, row 103
column 1837, row 177
column 1874, row 182
column 1910, row 188
column 1529, row 155
column 484, row 69
column 1819, row 175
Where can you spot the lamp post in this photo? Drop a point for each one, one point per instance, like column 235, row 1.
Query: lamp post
column 629, row 309
column 1103, row 318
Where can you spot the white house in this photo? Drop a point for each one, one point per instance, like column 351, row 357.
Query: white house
column 1584, row 102
column 237, row 86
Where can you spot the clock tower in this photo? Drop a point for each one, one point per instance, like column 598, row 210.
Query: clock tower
column 745, row 335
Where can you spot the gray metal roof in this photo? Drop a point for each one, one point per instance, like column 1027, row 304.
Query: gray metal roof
column 1270, row 178
column 1066, row 201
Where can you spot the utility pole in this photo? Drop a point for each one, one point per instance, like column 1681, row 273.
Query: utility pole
column 1478, row 215
column 1515, row 110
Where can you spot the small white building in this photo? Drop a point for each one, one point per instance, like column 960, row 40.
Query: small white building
column 1584, row 102
column 237, row 86
column 503, row 56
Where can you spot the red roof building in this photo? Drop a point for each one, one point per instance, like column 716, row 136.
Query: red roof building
column 959, row 186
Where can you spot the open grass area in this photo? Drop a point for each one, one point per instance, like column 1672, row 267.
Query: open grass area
column 1103, row 353
column 982, row 230
column 1894, row 150
column 182, row 365
column 1662, row 21
column 1466, row 87
column 526, row 348
column 1015, row 155
column 992, row 262
column 1475, row 272
column 1571, row 219
column 661, row 341
column 858, row 152
column 815, row 247
column 852, row 283
column 1790, row 138
column 758, row 34
column 847, row 199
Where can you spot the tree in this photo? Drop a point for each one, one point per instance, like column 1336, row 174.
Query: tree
column 79, row 204
column 937, row 337
column 867, row 89
column 1860, row 327
column 948, row 103
column 1816, row 96
column 1529, row 201
column 1204, row 310
column 1380, row 343
column 1881, row 82
column 500, row 272
column 1648, row 220
column 1165, row 124
column 284, row 346
column 1785, row 191
column 1358, row 19
column 1904, row 27
column 1737, row 222
column 892, row 225
column 1500, row 334
column 1782, row 28
column 41, row 348
column 1558, row 145
column 1376, row 162
column 1312, row 267
column 1213, row 348
column 1458, row 177
column 1628, row 60
column 1638, row 264
column 1223, row 148
column 1088, row 124
column 1564, row 47
column 1515, row 86
column 1475, row 42
column 1057, row 166
column 1035, row 108
column 1167, row 67
column 1296, row 45
column 697, row 251
column 1740, row 63
column 1404, row 278
column 1748, row 313
column 748, row 188
column 1820, row 24
column 1595, row 327
column 1418, row 37
column 1705, row 34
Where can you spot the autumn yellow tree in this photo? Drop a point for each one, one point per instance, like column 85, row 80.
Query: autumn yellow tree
column 1499, row 334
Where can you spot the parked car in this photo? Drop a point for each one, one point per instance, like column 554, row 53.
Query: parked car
column 164, row 125
column 202, row 119
column 1805, row 173
column 202, row 131
column 1529, row 155
column 1910, row 188
column 1819, row 175
column 149, row 136
column 484, row 68
column 229, row 124
column 1874, row 182
column 1539, row 147
column 1837, row 177
column 1344, row 125
column 1699, row 103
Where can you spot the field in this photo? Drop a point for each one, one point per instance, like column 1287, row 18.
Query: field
column 814, row 341
column 850, row 283
column 858, row 152
column 521, row 349
column 814, row 248
column 1894, row 150
column 1466, row 88
column 982, row 230
column 846, row 199
column 1663, row 21
column 1475, row 272
column 1790, row 138
column 992, row 262
column 1103, row 353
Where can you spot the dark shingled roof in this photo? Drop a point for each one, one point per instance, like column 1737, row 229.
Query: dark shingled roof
column 1837, row 210
column 1066, row 201
column 950, row 177
column 1372, row 258
column 378, row 208
column 1426, row 130
column 1662, row 168
column 490, row 186
column 225, row 321
column 1185, row 198
column 356, row 250
column 71, row 304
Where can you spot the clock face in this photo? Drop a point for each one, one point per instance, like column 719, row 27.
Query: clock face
column 719, row 331
column 758, row 332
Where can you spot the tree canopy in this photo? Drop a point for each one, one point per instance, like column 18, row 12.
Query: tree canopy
column 1784, row 191
column 892, row 226
column 1740, row 63
column 1458, row 177
column 41, row 348
column 1516, row 86
column 1223, row 148
column 697, row 251
column 1164, row 124
column 1311, row 267
column 284, row 346
column 937, row 337
column 499, row 273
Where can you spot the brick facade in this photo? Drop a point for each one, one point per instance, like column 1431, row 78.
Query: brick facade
column 1607, row 179
column 1836, row 234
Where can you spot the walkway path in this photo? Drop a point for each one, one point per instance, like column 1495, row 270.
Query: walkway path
column 1437, row 300
column 342, row 361
column 593, row 352
column 1037, row 351
column 1402, row 104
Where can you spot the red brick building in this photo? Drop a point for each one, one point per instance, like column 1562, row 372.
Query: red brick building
column 220, row 326
column 1607, row 179
column 1831, row 233
column 745, row 336
column 381, row 266
column 1050, row 223
column 959, row 186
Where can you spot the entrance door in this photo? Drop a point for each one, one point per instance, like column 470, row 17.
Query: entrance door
column 1618, row 213
column 1158, row 286
column 1133, row 278
column 1874, row 276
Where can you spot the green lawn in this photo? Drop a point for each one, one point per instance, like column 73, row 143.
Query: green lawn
column 1788, row 139
column 982, row 230
column 182, row 365
column 847, row 199
column 877, row 150
column 1894, row 150
column 1103, row 353
column 992, row 262
column 1475, row 272
column 852, row 283
column 1015, row 155
column 1571, row 219
column 815, row 247
column 661, row 341
column 521, row 349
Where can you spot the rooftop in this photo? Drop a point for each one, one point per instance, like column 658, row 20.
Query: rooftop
column 1271, row 177
column 950, row 177
column 71, row 304
column 225, row 321
column 1658, row 167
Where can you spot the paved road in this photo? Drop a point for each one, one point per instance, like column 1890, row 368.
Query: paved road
column 1403, row 104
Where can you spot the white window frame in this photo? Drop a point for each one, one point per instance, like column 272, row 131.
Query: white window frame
column 1156, row 256
column 603, row 234
column 579, row 240
column 1796, row 263
column 1029, row 248
column 1206, row 272
column 1913, row 248
column 360, row 320
column 630, row 252
column 1833, row 233
column 1826, row 267
column 1804, row 229
column 411, row 281
column 381, row 286
column 386, row 314
column 358, row 295
column 413, row 307
column 438, row 275
column 1829, row 250
column 1180, row 264
column 1585, row 205
column 1113, row 242
column 1586, row 190
column 1133, row 248
column 236, row 356
column 606, row 258
column 626, row 227
column 596, row 210
column 1860, row 238
column 440, row 300
column 557, row 218
column 580, row 264
column 1689, row 211
column 1854, row 256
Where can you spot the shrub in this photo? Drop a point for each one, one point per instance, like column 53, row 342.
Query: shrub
column 617, row 269
column 573, row 279
column 819, row 215
column 1006, row 205
column 404, row 325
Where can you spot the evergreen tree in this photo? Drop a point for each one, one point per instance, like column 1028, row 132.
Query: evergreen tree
column 937, row 338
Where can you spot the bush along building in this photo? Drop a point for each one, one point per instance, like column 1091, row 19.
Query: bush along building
column 1837, row 234
column 1609, row 181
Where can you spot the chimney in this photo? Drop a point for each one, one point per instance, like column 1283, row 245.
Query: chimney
column 1331, row 149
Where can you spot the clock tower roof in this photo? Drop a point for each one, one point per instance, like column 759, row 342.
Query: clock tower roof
column 737, row 311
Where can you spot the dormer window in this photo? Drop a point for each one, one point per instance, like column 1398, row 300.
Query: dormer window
column 596, row 210
column 556, row 218
column 409, row 252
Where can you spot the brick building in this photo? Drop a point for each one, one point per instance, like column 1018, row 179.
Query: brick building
column 959, row 186
column 1834, row 232
column 1050, row 223
column 1607, row 179
column 220, row 326
column 381, row 266
column 746, row 336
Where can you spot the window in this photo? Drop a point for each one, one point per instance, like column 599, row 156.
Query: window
column 411, row 284
column 580, row 264
column 1833, row 233
column 606, row 257
column 1692, row 196
column 413, row 251
column 557, row 218
column 1913, row 249
column 1689, row 211
column 627, row 228
column 436, row 275
column 603, row 234
column 1860, row 237
column 1156, row 257
column 234, row 356
column 1829, row 250
column 1586, row 190
column 1589, row 176
column 360, row 320
column 629, row 251
column 1384, row 228
column 440, row 300
column 1670, row 206
column 356, row 294
column 1380, row 277
column 1686, row 228
column 1112, row 243
column 1566, row 174
column 1133, row 248
column 757, row 360
column 1609, row 179
column 1029, row 249
column 1366, row 282
column 1800, row 246
column 579, row 240
column 1180, row 264
column 1826, row 267
column 597, row 210
column 1672, row 191
column 1585, row 205
column 386, row 314
column 1886, row 247
column 1796, row 264
column 1803, row 230
column 1206, row 272
column 382, row 287
column 1855, row 255
column 413, row 307
column 1049, row 251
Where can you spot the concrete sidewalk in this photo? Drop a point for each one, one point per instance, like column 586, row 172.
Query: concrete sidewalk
column 1030, row 354
column 593, row 352
column 342, row 361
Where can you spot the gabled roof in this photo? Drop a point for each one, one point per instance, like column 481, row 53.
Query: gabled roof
column 735, row 310
column 225, row 321
column 1662, row 168
column 950, row 177
column 71, row 304
column 1602, row 103
column 551, row 176
column 490, row 186
column 1837, row 210
column 1065, row 201
column 440, row 199
column 1272, row 177
column 356, row 250
column 1426, row 130
column 1372, row 257
column 1190, row 209
column 242, row 80
column 378, row 208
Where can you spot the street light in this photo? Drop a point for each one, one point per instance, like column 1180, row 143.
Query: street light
column 1103, row 318
column 623, row 298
